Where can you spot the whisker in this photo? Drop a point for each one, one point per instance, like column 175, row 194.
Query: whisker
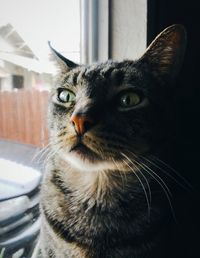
column 161, row 183
column 41, row 153
column 53, row 152
column 148, row 169
column 143, row 187
column 146, row 180
column 166, row 173
column 174, row 171
column 121, row 174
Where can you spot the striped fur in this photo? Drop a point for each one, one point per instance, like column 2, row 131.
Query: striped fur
column 113, row 203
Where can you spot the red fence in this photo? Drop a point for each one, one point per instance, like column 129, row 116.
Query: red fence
column 23, row 116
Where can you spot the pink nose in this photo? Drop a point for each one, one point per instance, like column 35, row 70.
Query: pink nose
column 81, row 123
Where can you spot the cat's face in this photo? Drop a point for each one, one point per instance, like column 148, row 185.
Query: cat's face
column 101, row 111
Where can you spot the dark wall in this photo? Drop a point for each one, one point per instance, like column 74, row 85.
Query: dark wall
column 185, row 154
column 163, row 13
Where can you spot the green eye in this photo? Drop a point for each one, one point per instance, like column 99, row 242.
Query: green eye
column 129, row 99
column 66, row 96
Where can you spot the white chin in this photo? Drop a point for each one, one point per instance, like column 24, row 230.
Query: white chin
column 85, row 165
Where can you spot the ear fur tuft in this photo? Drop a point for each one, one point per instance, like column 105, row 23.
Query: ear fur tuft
column 164, row 55
column 63, row 63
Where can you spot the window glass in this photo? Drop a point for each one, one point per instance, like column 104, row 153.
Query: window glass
column 26, row 76
column 25, row 67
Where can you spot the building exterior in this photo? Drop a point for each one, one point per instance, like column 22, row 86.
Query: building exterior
column 19, row 66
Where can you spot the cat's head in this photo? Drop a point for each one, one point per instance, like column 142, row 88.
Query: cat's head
column 101, row 111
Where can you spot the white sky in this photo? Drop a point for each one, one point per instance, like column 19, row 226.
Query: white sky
column 38, row 21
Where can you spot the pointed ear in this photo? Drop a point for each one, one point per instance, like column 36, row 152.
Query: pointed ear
column 63, row 63
column 165, row 54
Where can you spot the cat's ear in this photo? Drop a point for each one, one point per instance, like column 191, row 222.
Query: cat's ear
column 63, row 63
column 165, row 54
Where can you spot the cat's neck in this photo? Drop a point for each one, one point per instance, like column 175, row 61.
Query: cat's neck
column 89, row 183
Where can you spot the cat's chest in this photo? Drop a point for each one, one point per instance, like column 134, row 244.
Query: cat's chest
column 105, row 215
column 98, row 217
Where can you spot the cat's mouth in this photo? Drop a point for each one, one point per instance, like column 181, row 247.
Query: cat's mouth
column 85, row 158
column 84, row 152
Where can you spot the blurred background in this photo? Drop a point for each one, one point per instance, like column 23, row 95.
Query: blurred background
column 26, row 73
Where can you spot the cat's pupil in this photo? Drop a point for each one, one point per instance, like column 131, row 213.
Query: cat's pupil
column 126, row 100
column 65, row 96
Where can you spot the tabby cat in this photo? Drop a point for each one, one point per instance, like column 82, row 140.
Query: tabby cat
column 107, row 191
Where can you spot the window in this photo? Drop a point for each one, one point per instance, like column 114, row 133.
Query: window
column 26, row 76
column 18, row 81
column 25, row 29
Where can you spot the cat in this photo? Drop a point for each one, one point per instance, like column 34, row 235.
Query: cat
column 107, row 191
